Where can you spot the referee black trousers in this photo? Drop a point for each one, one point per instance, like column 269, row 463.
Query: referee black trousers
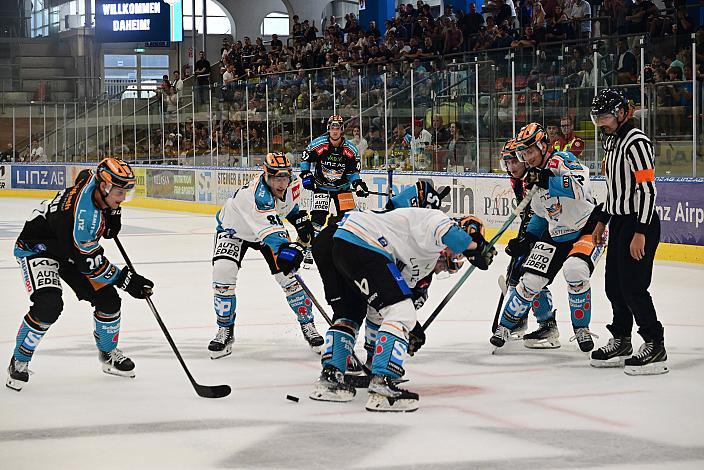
column 628, row 280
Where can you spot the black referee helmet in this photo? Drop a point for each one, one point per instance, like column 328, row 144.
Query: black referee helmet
column 608, row 101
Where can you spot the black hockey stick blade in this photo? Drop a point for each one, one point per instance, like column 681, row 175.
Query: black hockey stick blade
column 205, row 391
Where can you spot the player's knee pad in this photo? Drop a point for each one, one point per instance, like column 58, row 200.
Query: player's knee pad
column 47, row 304
column 530, row 285
column 577, row 274
column 107, row 301
column 399, row 318
column 225, row 277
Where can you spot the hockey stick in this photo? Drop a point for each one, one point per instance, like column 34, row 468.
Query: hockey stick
column 307, row 290
column 377, row 193
column 390, row 180
column 205, row 391
column 516, row 212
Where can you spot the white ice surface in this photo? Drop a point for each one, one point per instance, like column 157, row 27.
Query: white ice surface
column 519, row 409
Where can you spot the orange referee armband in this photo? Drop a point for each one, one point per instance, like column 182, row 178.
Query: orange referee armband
column 644, row 176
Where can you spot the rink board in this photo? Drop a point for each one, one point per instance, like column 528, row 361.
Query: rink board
column 680, row 201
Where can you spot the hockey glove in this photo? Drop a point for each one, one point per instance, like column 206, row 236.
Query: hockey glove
column 137, row 286
column 416, row 339
column 304, row 227
column 519, row 246
column 113, row 222
column 307, row 180
column 419, row 296
column 429, row 197
column 538, row 177
column 360, row 188
column 482, row 256
column 289, row 257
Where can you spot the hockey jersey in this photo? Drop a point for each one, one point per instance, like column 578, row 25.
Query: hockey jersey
column 566, row 205
column 410, row 237
column 68, row 228
column 335, row 167
column 254, row 214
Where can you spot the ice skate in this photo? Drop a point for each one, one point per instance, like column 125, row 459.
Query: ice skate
column 650, row 360
column 116, row 363
column 584, row 338
column 221, row 345
column 386, row 395
column 613, row 354
column 331, row 386
column 518, row 331
column 545, row 337
column 499, row 338
column 315, row 341
column 17, row 374
column 308, row 261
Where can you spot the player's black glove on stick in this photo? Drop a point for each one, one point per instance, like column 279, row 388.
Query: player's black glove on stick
column 137, row 286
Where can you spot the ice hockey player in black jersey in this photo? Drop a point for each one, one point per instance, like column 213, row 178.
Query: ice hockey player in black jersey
column 60, row 241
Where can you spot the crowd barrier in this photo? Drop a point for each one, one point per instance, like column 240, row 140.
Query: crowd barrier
column 680, row 201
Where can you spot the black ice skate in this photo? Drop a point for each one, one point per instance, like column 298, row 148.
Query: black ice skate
column 518, row 331
column 650, row 360
column 584, row 338
column 308, row 261
column 386, row 395
column 613, row 354
column 331, row 386
column 17, row 374
column 354, row 367
column 221, row 345
column 116, row 363
column 499, row 338
column 545, row 337
column 315, row 341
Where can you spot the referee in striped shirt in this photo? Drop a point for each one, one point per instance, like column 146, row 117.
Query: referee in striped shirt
column 633, row 237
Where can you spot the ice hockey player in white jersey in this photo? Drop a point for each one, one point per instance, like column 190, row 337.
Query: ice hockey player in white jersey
column 371, row 259
column 558, row 236
column 252, row 218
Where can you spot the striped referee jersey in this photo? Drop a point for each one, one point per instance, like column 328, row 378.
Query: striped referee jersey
column 630, row 175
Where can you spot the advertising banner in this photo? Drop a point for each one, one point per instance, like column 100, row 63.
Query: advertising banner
column 165, row 183
column 680, row 206
column 38, row 177
column 140, row 186
column 205, row 183
column 5, row 176
column 229, row 181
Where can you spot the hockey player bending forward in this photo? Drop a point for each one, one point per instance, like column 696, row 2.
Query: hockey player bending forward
column 546, row 336
column 61, row 242
column 371, row 259
column 558, row 236
column 251, row 218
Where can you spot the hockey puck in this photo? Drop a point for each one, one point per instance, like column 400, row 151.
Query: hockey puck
column 292, row 398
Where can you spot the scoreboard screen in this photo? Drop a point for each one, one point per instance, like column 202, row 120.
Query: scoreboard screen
column 138, row 21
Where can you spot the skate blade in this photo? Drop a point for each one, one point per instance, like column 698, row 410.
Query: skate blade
column 382, row 404
column 13, row 384
column 218, row 354
column 316, row 349
column 120, row 373
column 614, row 362
column 654, row 368
column 323, row 394
column 517, row 335
column 541, row 344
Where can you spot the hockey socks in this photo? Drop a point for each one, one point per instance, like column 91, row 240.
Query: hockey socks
column 389, row 355
column 107, row 330
column 225, row 309
column 301, row 305
column 515, row 310
column 28, row 338
column 371, row 331
column 339, row 345
column 543, row 307
column 581, row 308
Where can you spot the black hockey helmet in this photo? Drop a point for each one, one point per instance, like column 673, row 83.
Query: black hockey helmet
column 608, row 101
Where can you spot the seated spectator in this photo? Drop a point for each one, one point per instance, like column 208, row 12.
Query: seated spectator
column 527, row 40
column 440, row 135
column 626, row 66
column 37, row 153
column 555, row 139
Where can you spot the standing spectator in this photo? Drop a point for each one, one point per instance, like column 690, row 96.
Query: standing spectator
column 373, row 30
column 441, row 136
column 470, row 24
column 581, row 13
column 556, row 140
column 10, row 155
column 626, row 66
column 359, row 142
column 37, row 153
column 573, row 143
column 457, row 146
column 453, row 39
column 634, row 235
column 276, row 44
column 202, row 73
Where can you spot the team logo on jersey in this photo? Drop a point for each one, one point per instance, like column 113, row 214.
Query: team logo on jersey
column 554, row 210
column 363, row 286
column 383, row 241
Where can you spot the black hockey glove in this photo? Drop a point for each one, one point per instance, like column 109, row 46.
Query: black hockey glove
column 416, row 339
column 538, row 177
column 419, row 296
column 307, row 180
column 289, row 257
column 428, row 196
column 360, row 188
column 519, row 246
column 304, row 227
column 137, row 286
column 113, row 222
column 482, row 256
